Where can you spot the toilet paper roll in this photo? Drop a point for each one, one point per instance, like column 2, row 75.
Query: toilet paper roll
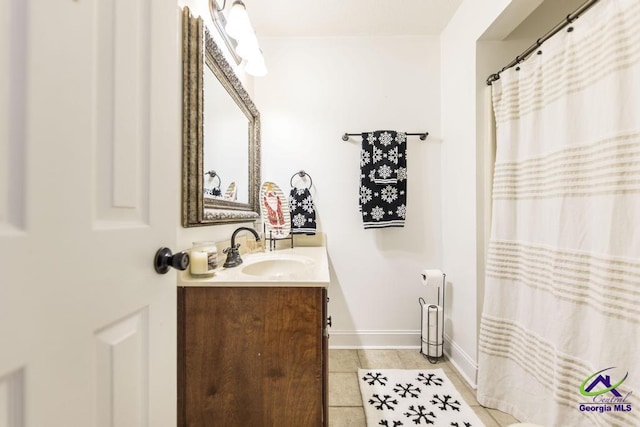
column 432, row 278
column 432, row 323
column 432, row 350
column 431, row 331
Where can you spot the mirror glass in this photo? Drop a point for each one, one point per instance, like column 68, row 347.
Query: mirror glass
column 226, row 153
column 221, row 135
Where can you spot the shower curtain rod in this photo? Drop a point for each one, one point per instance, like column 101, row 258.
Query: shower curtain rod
column 524, row 55
column 422, row 136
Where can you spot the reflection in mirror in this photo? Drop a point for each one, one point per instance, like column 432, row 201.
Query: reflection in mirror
column 221, row 135
column 212, row 183
column 225, row 141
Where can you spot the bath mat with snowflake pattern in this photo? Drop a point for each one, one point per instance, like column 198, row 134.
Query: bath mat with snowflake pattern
column 402, row 397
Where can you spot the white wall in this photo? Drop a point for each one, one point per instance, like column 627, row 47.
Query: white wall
column 319, row 88
column 463, row 200
column 316, row 90
column 480, row 39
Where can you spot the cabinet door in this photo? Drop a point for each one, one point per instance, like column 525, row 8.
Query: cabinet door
column 325, row 356
column 251, row 357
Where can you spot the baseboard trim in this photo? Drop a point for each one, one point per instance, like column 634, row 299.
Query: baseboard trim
column 374, row 339
column 466, row 366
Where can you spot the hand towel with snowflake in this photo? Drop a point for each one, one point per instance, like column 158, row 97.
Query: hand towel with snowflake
column 303, row 213
column 383, row 179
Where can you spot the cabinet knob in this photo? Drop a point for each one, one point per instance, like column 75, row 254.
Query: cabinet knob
column 329, row 321
column 164, row 259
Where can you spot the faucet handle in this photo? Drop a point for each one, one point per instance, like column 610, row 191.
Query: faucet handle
column 231, row 248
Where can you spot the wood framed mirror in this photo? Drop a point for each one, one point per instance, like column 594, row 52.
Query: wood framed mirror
column 221, row 135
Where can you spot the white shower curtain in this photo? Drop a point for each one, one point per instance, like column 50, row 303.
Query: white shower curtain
column 562, row 293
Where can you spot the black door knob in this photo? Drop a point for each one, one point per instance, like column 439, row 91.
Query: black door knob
column 164, row 259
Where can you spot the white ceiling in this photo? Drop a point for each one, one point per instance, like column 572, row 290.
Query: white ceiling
column 327, row 18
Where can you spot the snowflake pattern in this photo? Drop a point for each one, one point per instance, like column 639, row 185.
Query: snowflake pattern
column 429, row 379
column 299, row 220
column 392, row 155
column 408, row 389
column 377, row 213
column 386, row 158
column 389, row 194
column 446, row 402
column 307, row 204
column 401, row 211
column 385, row 139
column 393, row 398
column 302, row 211
column 293, row 203
column 384, row 171
column 385, row 423
column 401, row 137
column 383, row 402
column 419, row 414
column 373, row 378
column 365, row 158
column 402, row 174
column 377, row 155
column 365, row 195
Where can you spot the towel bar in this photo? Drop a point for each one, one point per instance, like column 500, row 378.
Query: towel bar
column 422, row 136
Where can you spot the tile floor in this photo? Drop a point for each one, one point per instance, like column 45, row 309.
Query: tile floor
column 345, row 403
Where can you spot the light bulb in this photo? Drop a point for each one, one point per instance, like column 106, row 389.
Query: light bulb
column 238, row 23
column 248, row 47
column 256, row 66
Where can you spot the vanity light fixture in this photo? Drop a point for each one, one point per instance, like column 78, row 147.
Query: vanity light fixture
column 238, row 23
column 256, row 67
column 214, row 4
column 238, row 35
column 239, row 28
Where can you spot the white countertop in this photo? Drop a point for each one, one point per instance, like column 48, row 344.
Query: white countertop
column 301, row 267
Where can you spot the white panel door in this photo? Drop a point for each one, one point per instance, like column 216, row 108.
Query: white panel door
column 89, row 190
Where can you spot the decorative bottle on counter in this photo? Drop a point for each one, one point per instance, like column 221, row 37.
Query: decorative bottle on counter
column 204, row 259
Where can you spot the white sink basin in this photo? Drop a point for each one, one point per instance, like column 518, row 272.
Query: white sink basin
column 276, row 268
column 301, row 266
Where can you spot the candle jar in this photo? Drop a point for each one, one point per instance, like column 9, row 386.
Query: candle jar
column 204, row 259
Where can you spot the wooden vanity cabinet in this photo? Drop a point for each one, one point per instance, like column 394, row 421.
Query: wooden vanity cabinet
column 252, row 356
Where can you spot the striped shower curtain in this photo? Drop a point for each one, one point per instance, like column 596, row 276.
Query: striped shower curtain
column 560, row 330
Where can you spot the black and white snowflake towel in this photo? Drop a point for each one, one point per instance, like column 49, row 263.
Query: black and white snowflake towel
column 383, row 179
column 303, row 213
column 400, row 397
column 386, row 155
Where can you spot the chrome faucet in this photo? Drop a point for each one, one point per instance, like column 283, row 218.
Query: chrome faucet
column 233, row 256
